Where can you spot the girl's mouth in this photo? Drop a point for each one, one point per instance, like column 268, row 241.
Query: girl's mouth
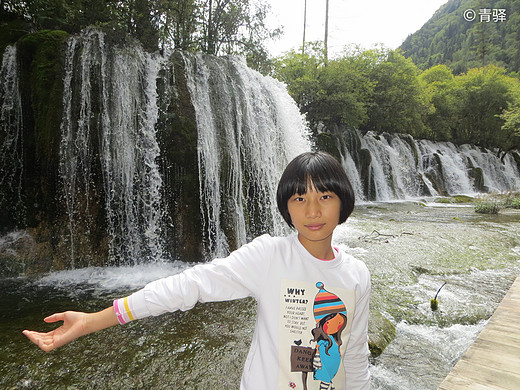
column 315, row 226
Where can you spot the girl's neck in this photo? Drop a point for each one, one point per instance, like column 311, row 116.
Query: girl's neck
column 321, row 250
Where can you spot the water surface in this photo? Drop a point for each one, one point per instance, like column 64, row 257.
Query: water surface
column 411, row 249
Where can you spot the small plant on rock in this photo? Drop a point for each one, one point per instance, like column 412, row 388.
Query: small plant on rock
column 434, row 303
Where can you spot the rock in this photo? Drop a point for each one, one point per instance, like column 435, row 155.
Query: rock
column 478, row 179
column 381, row 332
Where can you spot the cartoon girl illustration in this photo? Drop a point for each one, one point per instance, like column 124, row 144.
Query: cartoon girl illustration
column 330, row 314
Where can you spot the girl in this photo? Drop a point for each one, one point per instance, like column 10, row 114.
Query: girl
column 314, row 196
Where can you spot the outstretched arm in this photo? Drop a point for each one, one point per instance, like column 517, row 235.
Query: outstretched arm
column 75, row 324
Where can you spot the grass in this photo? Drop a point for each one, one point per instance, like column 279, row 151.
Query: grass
column 494, row 202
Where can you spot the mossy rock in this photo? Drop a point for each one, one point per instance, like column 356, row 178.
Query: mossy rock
column 12, row 28
column 436, row 176
column 462, row 199
column 381, row 332
column 177, row 136
column 41, row 81
column 516, row 157
column 365, row 162
column 477, row 176
column 455, row 199
column 328, row 142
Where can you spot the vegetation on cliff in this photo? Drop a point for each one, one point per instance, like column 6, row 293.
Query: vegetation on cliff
column 209, row 26
column 381, row 90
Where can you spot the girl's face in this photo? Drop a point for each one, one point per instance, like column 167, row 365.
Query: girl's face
column 315, row 214
column 333, row 325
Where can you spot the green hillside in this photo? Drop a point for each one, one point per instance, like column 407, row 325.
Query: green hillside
column 493, row 37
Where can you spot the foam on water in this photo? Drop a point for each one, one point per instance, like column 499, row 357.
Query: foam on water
column 434, row 350
column 112, row 278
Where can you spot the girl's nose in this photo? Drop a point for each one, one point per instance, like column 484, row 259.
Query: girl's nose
column 313, row 210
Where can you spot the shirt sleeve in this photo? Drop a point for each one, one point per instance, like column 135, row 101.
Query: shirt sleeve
column 355, row 360
column 239, row 275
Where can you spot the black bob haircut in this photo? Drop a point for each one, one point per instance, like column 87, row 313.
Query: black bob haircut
column 325, row 174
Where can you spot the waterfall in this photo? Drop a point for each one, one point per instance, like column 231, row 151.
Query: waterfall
column 11, row 141
column 248, row 130
column 400, row 167
column 108, row 130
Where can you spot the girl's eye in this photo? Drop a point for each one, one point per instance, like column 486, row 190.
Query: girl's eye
column 326, row 197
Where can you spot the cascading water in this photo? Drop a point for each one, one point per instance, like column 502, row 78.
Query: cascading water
column 108, row 129
column 248, row 130
column 399, row 167
column 11, row 139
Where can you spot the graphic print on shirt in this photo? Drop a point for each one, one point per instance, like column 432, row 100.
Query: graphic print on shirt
column 315, row 322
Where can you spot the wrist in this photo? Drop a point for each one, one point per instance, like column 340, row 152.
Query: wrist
column 94, row 322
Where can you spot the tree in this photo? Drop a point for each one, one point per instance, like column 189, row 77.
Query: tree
column 68, row 15
column 211, row 26
column 511, row 128
column 482, row 96
column 178, row 23
column 229, row 25
column 301, row 73
column 439, row 120
column 399, row 101
column 332, row 95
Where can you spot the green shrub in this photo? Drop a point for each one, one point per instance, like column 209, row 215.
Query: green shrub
column 487, row 207
column 515, row 203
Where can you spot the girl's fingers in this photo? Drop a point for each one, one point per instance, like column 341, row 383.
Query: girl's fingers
column 42, row 340
column 54, row 317
column 35, row 337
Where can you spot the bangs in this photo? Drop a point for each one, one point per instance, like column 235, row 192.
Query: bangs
column 317, row 182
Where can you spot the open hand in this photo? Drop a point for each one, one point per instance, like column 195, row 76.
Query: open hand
column 74, row 326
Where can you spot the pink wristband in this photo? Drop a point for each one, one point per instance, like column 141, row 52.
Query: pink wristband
column 119, row 315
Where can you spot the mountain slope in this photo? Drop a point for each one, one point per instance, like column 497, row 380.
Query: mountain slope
column 493, row 37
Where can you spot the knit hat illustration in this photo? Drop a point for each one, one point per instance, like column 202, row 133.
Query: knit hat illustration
column 327, row 303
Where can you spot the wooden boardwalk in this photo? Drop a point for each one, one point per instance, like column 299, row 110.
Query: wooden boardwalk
column 493, row 360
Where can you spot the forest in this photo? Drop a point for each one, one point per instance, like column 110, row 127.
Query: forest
column 472, row 96
column 489, row 33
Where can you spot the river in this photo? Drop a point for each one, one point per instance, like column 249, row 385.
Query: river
column 411, row 249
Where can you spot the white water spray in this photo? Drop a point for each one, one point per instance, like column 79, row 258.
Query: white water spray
column 11, row 138
column 248, row 130
column 123, row 124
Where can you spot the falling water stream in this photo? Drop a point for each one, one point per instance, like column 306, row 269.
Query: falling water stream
column 11, row 123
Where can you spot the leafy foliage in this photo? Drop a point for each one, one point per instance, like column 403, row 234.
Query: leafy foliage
column 332, row 94
column 381, row 90
column 398, row 99
column 210, row 26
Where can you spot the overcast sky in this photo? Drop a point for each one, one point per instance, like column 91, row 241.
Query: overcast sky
column 366, row 23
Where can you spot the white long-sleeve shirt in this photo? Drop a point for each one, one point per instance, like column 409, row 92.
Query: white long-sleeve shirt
column 288, row 284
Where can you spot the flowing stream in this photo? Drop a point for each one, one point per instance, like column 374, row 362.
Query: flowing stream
column 411, row 248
